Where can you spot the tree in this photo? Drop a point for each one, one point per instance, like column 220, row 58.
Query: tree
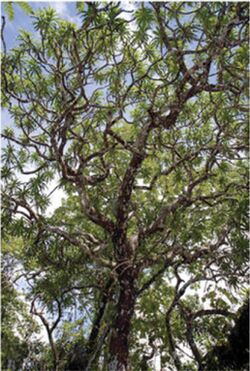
column 141, row 118
column 18, row 331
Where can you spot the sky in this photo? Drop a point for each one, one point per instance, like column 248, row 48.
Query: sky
column 65, row 10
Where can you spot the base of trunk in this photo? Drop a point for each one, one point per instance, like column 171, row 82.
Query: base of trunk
column 119, row 341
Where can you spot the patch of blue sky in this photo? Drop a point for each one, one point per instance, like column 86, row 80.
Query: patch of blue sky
column 65, row 10
column 6, row 119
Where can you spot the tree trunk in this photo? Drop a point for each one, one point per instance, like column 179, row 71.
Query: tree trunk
column 119, row 345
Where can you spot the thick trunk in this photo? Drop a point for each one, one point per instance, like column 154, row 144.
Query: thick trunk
column 119, row 345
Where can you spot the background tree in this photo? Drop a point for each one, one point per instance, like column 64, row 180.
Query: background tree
column 140, row 117
column 18, row 331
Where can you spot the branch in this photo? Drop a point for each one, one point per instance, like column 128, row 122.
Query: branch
column 94, row 215
column 74, row 241
column 2, row 37
column 94, row 339
column 147, row 284
column 49, row 328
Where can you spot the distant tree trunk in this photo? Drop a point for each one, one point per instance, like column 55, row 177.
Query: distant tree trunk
column 119, row 342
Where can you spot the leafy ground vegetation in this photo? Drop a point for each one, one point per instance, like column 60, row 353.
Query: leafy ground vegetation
column 140, row 117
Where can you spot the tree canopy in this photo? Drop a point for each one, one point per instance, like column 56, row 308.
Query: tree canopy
column 139, row 116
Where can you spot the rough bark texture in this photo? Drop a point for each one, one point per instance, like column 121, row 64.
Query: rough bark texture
column 119, row 342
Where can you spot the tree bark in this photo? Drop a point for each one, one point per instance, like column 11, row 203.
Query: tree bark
column 119, row 342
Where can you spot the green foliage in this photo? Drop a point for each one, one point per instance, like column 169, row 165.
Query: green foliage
column 25, row 6
column 144, row 17
column 138, row 119
column 80, row 6
column 8, row 8
column 17, row 327
column 46, row 18
column 232, row 355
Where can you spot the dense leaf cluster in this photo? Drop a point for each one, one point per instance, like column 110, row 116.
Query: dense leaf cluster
column 140, row 117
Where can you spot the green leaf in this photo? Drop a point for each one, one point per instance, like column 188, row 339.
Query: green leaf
column 144, row 17
column 25, row 6
column 8, row 7
column 80, row 6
